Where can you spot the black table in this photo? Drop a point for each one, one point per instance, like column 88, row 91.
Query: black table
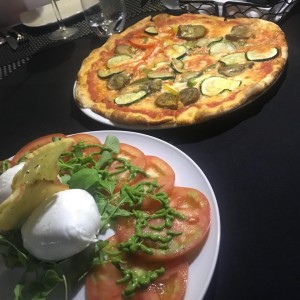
column 251, row 158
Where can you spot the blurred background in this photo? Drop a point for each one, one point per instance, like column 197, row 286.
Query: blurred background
column 11, row 9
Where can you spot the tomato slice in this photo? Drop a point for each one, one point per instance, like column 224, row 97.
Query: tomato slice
column 101, row 282
column 194, row 228
column 35, row 144
column 157, row 168
column 143, row 41
column 91, row 141
column 136, row 157
column 85, row 137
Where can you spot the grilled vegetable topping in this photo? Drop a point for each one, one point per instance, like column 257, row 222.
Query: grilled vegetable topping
column 176, row 51
column 239, row 32
column 177, row 65
column 255, row 55
column 161, row 75
column 186, row 76
column 107, row 73
column 118, row 81
column 124, row 50
column 167, row 100
column 234, row 69
column 224, row 47
column 215, row 85
column 155, row 85
column 191, row 32
column 117, row 60
column 130, row 98
column 151, row 30
column 189, row 95
column 204, row 42
column 234, row 58
column 143, row 84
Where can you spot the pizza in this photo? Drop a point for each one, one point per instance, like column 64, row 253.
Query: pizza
column 180, row 70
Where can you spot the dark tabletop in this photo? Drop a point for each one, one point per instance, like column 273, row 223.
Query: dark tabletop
column 251, row 158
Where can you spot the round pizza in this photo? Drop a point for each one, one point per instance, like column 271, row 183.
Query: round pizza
column 181, row 70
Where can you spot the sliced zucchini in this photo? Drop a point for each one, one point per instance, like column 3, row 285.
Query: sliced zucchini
column 117, row 60
column 151, row 30
column 177, row 65
column 127, row 99
column 234, row 58
column 190, row 75
column 192, row 82
column 161, row 75
column 140, row 80
column 215, row 85
column 176, row 51
column 203, row 42
column 217, row 48
column 254, row 55
column 108, row 72
column 162, row 64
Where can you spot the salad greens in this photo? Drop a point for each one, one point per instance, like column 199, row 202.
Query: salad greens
column 93, row 173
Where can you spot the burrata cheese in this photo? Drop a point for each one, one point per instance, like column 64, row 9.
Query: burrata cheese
column 62, row 226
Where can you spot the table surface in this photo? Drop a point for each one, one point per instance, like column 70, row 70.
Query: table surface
column 251, row 158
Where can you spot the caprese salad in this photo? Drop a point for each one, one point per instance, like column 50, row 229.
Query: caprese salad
column 59, row 195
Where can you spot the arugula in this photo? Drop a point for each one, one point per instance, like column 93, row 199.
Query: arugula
column 4, row 166
column 45, row 276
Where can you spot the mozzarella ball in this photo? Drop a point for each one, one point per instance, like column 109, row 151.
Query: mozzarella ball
column 6, row 179
column 62, row 226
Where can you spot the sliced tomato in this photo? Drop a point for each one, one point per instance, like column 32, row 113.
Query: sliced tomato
column 92, row 142
column 143, row 41
column 158, row 169
column 101, row 282
column 194, row 228
column 136, row 158
column 86, row 138
column 35, row 144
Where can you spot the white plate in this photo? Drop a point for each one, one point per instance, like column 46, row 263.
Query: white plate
column 44, row 15
column 188, row 174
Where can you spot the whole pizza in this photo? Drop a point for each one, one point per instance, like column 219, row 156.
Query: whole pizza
column 180, row 70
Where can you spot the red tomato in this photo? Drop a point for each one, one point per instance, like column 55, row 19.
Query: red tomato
column 91, row 141
column 157, row 168
column 35, row 144
column 87, row 138
column 194, row 228
column 101, row 282
column 143, row 42
column 136, row 157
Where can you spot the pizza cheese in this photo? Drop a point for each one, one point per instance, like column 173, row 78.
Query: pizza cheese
column 181, row 70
